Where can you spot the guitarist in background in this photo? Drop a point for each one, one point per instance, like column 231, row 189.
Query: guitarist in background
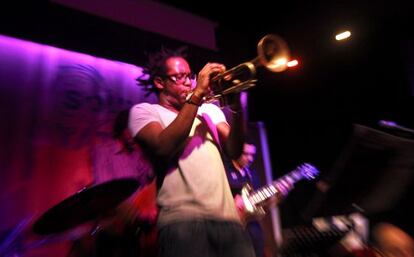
column 239, row 173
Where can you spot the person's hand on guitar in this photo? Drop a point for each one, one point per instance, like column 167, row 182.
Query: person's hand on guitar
column 241, row 208
column 238, row 200
column 283, row 187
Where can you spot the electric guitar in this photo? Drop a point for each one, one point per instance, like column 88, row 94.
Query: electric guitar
column 254, row 200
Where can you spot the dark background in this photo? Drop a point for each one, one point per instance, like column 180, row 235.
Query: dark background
column 308, row 110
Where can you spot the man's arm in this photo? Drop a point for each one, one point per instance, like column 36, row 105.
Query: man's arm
column 164, row 143
column 233, row 137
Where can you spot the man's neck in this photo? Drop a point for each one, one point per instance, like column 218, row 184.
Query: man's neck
column 166, row 103
column 237, row 166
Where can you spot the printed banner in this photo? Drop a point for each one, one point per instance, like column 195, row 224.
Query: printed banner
column 57, row 108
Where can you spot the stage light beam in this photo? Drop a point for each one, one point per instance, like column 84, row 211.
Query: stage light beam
column 343, row 35
column 292, row 63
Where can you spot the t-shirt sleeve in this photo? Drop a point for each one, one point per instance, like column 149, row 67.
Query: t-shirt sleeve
column 141, row 115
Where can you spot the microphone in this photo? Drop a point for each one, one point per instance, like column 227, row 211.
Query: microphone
column 393, row 125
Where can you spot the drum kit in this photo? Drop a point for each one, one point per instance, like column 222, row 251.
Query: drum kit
column 91, row 204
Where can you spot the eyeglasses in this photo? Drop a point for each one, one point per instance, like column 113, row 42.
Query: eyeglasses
column 181, row 77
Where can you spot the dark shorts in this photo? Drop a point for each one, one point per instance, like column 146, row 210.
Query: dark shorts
column 204, row 238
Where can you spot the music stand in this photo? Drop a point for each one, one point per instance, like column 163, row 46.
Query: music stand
column 372, row 175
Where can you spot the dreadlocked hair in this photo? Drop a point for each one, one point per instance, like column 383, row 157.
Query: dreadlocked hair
column 156, row 67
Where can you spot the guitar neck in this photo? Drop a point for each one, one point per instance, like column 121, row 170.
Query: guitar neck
column 264, row 193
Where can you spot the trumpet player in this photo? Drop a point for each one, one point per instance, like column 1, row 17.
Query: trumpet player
column 184, row 137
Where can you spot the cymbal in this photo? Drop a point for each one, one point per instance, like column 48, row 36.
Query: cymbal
column 86, row 205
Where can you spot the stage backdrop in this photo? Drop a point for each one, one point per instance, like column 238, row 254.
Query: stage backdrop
column 55, row 105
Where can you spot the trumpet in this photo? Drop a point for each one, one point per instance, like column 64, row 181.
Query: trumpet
column 272, row 53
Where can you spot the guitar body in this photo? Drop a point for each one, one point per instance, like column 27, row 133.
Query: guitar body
column 250, row 210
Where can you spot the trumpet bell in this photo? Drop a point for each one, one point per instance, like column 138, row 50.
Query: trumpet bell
column 273, row 53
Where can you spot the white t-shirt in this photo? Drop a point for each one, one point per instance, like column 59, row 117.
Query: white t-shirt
column 196, row 186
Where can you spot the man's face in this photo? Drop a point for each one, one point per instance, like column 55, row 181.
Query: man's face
column 247, row 157
column 177, row 81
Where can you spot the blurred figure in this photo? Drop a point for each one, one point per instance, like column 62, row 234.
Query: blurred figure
column 387, row 240
column 391, row 241
column 119, row 156
column 128, row 230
